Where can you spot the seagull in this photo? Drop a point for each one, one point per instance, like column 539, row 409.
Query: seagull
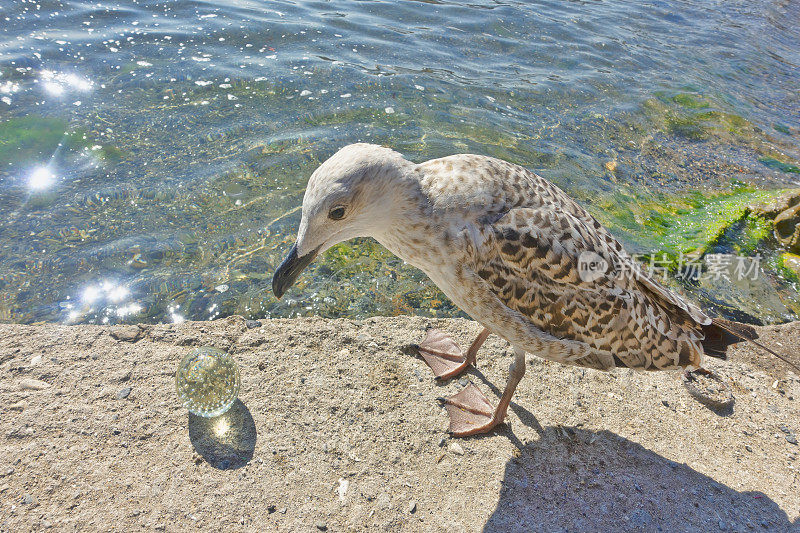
column 516, row 254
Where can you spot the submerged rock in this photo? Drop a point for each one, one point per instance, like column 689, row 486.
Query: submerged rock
column 787, row 227
column 785, row 213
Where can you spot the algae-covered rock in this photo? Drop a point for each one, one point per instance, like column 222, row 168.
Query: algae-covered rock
column 791, row 262
column 787, row 228
column 785, row 210
column 689, row 223
column 772, row 207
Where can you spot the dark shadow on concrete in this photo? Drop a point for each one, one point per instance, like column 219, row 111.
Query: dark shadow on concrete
column 578, row 480
column 227, row 441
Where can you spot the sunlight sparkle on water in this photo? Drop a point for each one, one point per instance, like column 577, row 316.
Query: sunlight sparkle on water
column 56, row 83
column 118, row 293
column 41, row 178
column 107, row 298
column 108, row 290
column 90, row 294
column 53, row 88
column 176, row 318
column 130, row 309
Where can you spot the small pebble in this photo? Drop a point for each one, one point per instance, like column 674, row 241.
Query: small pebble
column 271, row 509
column 342, row 489
column 748, row 447
column 791, row 439
column 36, row 359
column 389, row 110
column 322, row 526
column 412, row 507
column 33, row 384
column 123, row 393
column 27, row 499
column 456, row 448
column 126, row 333
column 442, row 441
column 282, row 510
column 7, row 471
column 611, row 166
column 463, row 381
column 252, row 324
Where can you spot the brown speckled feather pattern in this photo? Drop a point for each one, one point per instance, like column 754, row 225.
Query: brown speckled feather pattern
column 523, row 237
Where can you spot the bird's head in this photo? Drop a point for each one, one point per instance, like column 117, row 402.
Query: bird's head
column 355, row 193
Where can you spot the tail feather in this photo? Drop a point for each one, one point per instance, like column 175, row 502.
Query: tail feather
column 722, row 333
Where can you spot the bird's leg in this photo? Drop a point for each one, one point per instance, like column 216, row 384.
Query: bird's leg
column 445, row 357
column 471, row 413
column 472, row 352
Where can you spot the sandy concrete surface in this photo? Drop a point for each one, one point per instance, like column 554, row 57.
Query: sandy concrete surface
column 338, row 429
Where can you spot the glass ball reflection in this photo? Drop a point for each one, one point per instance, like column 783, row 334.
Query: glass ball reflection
column 207, row 381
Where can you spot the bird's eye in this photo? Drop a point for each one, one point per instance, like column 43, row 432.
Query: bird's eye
column 337, row 213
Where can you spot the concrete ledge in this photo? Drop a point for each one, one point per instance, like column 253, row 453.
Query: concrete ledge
column 337, row 428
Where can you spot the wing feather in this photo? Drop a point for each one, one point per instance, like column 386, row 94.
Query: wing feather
column 531, row 257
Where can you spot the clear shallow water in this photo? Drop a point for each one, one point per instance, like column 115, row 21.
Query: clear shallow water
column 153, row 154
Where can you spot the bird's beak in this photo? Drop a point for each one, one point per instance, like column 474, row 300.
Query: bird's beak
column 288, row 271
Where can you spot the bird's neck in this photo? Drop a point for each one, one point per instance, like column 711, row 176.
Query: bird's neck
column 414, row 230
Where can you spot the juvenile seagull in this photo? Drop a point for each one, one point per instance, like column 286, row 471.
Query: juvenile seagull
column 515, row 253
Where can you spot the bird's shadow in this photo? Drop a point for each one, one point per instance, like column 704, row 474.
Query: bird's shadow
column 574, row 479
column 581, row 480
column 226, row 441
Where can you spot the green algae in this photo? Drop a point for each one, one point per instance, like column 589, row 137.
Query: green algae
column 32, row 137
column 690, row 101
column 37, row 138
column 752, row 234
column 782, row 128
column 688, row 223
column 695, row 116
column 780, row 165
column 788, row 265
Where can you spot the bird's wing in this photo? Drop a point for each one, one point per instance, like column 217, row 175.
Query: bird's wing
column 538, row 261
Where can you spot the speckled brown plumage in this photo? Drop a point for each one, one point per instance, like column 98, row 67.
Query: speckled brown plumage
column 522, row 236
column 504, row 244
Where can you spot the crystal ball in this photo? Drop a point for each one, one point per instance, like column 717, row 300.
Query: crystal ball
column 207, row 381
